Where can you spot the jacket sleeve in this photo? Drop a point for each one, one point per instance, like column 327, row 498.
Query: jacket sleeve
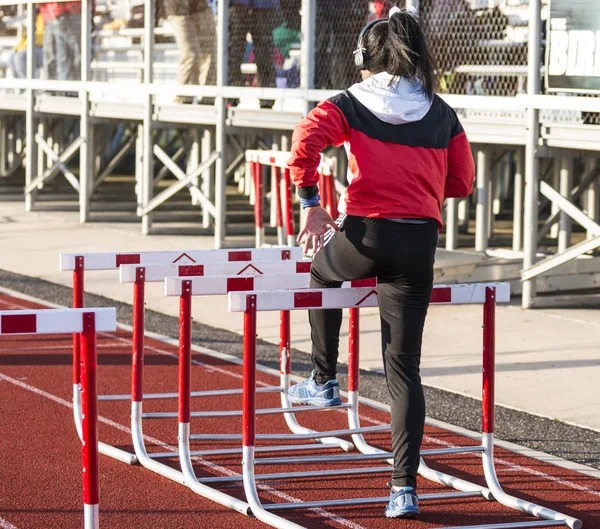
column 461, row 167
column 325, row 125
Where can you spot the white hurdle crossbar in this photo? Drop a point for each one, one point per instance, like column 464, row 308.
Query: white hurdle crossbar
column 78, row 263
column 86, row 323
column 485, row 294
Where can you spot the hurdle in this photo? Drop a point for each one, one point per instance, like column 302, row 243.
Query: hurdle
column 78, row 263
column 282, row 210
column 85, row 323
column 186, row 288
column 250, row 303
column 241, row 271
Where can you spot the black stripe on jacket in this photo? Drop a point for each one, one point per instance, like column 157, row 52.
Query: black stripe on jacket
column 434, row 131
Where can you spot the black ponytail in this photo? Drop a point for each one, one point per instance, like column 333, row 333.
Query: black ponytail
column 399, row 48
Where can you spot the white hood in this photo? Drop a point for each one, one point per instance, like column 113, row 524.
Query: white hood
column 398, row 102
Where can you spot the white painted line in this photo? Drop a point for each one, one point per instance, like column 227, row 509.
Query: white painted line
column 170, row 448
column 6, row 525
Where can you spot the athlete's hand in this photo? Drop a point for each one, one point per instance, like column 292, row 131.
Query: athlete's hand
column 318, row 222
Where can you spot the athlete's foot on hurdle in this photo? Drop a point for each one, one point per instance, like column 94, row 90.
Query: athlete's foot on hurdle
column 404, row 503
column 309, row 392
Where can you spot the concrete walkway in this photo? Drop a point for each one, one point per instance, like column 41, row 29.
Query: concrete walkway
column 548, row 361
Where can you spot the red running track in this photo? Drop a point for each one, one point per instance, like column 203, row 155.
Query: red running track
column 40, row 454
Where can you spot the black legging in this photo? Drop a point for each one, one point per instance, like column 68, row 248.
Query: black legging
column 401, row 256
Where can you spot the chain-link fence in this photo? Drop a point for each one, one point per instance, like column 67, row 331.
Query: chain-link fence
column 479, row 46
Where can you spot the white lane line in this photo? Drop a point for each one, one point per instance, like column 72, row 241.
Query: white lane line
column 176, row 356
column 6, row 525
column 510, row 466
column 284, row 496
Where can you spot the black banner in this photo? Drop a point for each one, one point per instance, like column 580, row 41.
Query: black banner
column 573, row 56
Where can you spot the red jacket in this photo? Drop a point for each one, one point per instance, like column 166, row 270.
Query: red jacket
column 406, row 152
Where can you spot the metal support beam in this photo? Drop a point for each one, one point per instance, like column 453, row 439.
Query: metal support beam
column 483, row 205
column 534, row 60
column 556, row 260
column 517, row 244
column 565, row 185
column 554, row 209
column 86, row 151
column 147, row 183
column 307, row 48
column 586, row 180
column 570, row 209
column 193, row 159
column 58, row 165
column 139, row 163
column 592, row 196
column 184, row 181
column 452, row 223
column 220, row 140
column 116, row 160
column 164, row 170
column 30, row 146
column 208, row 176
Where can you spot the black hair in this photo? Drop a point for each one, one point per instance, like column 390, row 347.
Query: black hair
column 399, row 47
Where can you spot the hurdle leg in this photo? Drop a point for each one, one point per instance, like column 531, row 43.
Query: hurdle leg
column 137, row 385
column 489, row 354
column 258, row 203
column 89, row 423
column 78, row 300
column 276, row 196
column 354, row 419
column 285, row 370
column 185, row 365
column 249, row 421
column 289, row 210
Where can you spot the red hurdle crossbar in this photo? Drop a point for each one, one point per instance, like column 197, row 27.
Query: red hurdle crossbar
column 84, row 323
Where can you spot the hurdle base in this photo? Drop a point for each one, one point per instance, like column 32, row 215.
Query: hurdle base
column 91, row 518
column 103, row 448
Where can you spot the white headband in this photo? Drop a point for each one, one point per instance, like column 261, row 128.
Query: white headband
column 412, row 10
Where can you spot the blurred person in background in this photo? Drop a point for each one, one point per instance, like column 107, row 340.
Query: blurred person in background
column 194, row 28
column 18, row 60
column 338, row 24
column 62, row 40
column 407, row 151
column 259, row 18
